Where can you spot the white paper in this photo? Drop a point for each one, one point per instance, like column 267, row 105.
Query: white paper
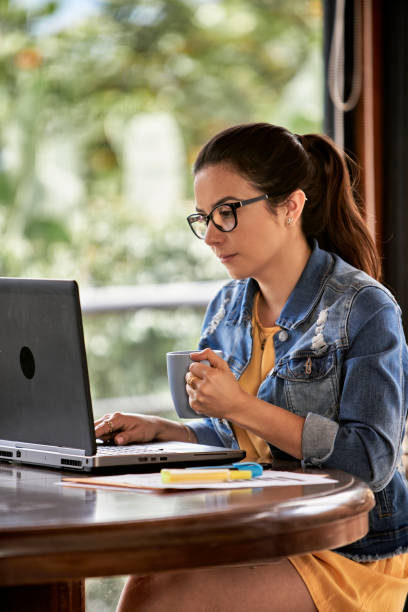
column 269, row 478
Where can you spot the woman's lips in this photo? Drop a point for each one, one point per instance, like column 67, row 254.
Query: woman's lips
column 226, row 258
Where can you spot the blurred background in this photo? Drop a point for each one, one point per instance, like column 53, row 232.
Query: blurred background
column 103, row 108
column 104, row 105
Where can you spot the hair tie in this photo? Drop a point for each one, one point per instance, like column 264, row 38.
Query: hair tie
column 299, row 138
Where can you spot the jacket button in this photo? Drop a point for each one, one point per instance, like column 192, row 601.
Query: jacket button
column 283, row 336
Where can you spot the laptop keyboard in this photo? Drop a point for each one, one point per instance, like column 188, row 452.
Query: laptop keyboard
column 128, row 450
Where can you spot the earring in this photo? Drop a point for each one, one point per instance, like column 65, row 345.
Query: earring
column 289, row 220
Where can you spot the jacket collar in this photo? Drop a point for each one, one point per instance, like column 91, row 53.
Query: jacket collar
column 308, row 289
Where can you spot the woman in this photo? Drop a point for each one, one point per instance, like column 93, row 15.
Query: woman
column 315, row 368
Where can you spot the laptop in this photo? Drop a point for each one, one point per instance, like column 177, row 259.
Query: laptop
column 45, row 402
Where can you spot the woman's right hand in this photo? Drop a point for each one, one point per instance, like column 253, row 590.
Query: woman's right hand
column 122, row 428
column 125, row 428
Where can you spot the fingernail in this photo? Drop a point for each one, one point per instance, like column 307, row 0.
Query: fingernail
column 119, row 440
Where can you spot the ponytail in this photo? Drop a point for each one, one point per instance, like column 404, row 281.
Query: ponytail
column 278, row 162
column 333, row 213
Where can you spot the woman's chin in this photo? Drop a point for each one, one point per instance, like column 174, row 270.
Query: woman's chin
column 237, row 275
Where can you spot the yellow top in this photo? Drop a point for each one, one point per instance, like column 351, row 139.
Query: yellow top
column 262, row 361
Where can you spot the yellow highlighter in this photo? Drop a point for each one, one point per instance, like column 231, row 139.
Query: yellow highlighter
column 202, row 476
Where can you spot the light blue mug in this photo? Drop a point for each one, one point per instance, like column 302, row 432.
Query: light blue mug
column 178, row 363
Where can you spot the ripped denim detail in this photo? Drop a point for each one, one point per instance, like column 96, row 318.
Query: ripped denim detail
column 318, row 341
column 216, row 320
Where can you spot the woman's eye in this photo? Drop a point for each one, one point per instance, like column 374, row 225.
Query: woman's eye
column 225, row 212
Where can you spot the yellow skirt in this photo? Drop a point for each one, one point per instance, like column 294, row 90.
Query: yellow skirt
column 338, row 584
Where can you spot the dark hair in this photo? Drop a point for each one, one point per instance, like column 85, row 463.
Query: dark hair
column 277, row 162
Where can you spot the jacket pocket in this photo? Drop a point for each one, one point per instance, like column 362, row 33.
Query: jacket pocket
column 310, row 383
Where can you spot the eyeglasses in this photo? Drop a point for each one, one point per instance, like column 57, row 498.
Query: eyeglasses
column 224, row 217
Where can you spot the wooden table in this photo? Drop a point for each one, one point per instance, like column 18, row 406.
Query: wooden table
column 52, row 537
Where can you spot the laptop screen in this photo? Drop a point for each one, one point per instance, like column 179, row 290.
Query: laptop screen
column 44, row 385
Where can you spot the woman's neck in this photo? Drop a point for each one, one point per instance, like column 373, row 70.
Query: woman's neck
column 276, row 289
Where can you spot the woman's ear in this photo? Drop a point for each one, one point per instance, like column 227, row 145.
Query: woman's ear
column 294, row 206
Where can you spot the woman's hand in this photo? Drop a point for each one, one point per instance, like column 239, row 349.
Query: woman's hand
column 122, row 428
column 213, row 391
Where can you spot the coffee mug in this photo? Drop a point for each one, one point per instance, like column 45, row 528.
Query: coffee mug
column 178, row 363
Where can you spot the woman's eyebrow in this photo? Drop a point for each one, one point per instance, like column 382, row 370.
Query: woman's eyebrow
column 225, row 199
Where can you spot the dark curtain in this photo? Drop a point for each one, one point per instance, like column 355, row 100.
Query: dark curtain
column 392, row 17
column 395, row 155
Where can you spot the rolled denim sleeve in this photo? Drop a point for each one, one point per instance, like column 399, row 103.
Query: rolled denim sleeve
column 318, row 437
column 372, row 410
column 205, row 432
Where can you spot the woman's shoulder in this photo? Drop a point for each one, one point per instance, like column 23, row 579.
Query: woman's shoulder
column 234, row 291
column 355, row 283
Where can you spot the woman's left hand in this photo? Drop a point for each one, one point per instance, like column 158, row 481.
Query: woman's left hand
column 213, row 391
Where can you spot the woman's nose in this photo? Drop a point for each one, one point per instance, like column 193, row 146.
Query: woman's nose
column 213, row 235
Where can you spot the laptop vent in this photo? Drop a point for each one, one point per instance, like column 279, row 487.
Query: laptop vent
column 71, row 462
column 6, row 454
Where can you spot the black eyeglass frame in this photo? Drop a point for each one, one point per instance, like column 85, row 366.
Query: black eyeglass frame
column 233, row 205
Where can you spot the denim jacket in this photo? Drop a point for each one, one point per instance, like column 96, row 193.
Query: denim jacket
column 341, row 362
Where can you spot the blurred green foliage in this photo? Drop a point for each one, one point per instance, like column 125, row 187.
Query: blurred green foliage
column 146, row 335
column 73, row 76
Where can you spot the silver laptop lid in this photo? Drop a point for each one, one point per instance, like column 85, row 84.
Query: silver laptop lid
column 44, row 386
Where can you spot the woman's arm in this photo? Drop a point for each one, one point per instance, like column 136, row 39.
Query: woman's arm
column 373, row 404
column 276, row 425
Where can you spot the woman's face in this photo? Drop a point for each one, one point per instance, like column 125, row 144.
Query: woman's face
column 260, row 239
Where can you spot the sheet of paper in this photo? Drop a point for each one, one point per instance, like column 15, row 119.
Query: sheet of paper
column 269, row 478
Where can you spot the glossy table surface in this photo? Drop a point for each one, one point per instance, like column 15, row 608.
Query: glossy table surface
column 50, row 532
